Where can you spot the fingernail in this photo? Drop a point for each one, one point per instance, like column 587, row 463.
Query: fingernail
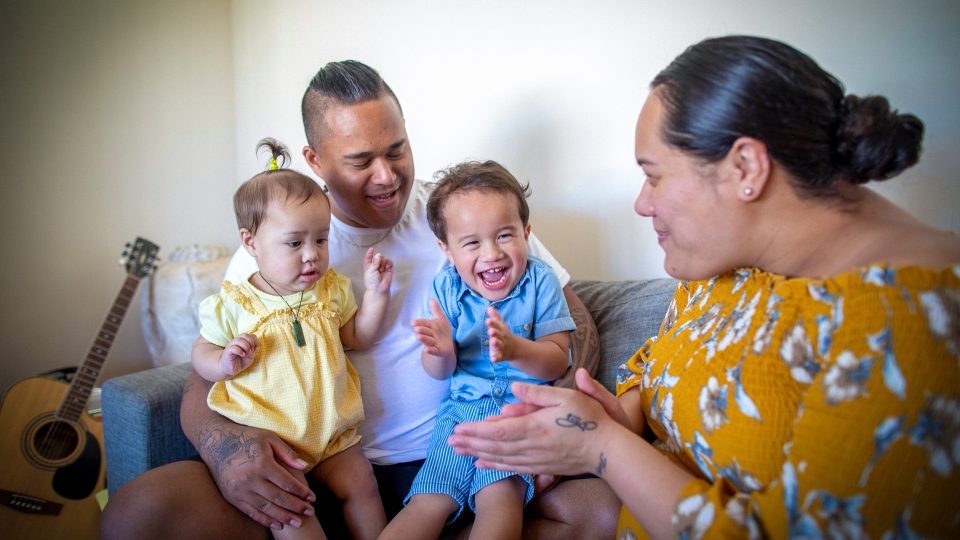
column 294, row 522
column 276, row 526
column 308, row 512
column 301, row 463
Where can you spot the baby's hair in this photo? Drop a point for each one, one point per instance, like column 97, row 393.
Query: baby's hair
column 251, row 200
column 488, row 176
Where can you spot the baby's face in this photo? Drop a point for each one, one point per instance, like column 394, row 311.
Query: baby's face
column 291, row 245
column 486, row 241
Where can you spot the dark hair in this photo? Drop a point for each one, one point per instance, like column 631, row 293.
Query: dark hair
column 344, row 83
column 252, row 198
column 723, row 88
column 468, row 176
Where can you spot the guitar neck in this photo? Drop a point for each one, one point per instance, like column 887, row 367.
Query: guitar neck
column 75, row 401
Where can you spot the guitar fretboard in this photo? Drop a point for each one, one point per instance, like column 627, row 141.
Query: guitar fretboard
column 75, row 401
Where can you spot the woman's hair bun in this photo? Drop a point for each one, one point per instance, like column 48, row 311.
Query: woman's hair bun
column 875, row 142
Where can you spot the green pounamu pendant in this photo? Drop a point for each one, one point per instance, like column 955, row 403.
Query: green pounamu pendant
column 298, row 333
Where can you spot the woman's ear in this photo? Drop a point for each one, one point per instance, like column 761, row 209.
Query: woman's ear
column 750, row 163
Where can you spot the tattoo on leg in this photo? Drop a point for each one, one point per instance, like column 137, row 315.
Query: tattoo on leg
column 602, row 465
column 573, row 420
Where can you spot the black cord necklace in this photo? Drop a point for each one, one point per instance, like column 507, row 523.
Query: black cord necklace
column 297, row 330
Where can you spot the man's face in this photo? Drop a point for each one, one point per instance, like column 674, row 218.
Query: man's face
column 364, row 157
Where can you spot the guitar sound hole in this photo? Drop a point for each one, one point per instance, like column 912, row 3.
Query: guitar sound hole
column 55, row 440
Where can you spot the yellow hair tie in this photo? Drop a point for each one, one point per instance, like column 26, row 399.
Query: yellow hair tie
column 273, row 164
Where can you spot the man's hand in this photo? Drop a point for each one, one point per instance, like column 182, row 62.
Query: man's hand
column 238, row 354
column 250, row 468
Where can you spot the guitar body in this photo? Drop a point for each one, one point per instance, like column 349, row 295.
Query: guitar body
column 52, row 468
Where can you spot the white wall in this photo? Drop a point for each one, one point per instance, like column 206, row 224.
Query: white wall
column 116, row 120
column 551, row 89
column 120, row 119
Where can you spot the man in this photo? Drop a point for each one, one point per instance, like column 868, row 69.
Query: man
column 357, row 143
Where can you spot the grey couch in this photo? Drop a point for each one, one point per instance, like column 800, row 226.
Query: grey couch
column 141, row 417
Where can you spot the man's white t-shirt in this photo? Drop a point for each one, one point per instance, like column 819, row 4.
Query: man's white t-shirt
column 399, row 399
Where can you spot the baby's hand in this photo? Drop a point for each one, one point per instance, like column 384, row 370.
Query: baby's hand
column 238, row 354
column 377, row 272
column 435, row 334
column 502, row 340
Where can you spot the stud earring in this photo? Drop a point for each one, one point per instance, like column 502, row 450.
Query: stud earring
column 748, row 191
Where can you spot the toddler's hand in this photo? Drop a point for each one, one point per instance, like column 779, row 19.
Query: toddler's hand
column 377, row 272
column 238, row 354
column 502, row 340
column 435, row 334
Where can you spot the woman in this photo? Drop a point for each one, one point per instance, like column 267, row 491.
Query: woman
column 805, row 381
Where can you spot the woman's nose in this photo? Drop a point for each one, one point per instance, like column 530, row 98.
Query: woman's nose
column 644, row 203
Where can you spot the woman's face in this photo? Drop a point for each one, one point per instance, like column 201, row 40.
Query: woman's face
column 688, row 201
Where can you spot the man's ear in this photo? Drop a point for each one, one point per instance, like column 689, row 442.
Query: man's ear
column 246, row 240
column 749, row 162
column 312, row 159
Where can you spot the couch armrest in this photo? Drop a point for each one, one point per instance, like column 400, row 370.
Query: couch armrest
column 626, row 314
column 141, row 422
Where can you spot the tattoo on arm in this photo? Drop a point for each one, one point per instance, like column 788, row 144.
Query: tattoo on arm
column 584, row 340
column 223, row 448
column 573, row 420
column 601, row 465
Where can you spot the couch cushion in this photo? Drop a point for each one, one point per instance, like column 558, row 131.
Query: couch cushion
column 626, row 314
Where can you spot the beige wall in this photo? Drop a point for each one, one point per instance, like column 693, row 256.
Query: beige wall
column 140, row 118
column 117, row 122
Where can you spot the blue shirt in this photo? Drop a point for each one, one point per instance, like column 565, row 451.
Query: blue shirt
column 533, row 309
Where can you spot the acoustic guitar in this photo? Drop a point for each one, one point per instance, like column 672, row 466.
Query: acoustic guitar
column 51, row 449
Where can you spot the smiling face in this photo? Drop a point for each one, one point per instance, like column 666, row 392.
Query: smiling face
column 688, row 202
column 364, row 157
column 486, row 241
column 290, row 245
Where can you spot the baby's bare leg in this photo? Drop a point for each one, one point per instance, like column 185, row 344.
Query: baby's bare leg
column 500, row 509
column 309, row 525
column 349, row 476
column 423, row 517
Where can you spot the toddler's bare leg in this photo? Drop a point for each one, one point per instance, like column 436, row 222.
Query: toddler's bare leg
column 500, row 509
column 423, row 517
column 350, row 477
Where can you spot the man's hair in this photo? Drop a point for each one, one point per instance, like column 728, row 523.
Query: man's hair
column 339, row 83
column 486, row 176
column 251, row 200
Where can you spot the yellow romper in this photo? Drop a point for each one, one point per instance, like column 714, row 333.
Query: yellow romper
column 309, row 396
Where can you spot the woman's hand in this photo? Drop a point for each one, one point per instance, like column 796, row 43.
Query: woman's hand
column 552, row 431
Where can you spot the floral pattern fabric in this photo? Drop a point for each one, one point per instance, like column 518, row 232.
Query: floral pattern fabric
column 809, row 408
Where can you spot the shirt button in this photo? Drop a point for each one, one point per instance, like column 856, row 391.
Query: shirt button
column 498, row 391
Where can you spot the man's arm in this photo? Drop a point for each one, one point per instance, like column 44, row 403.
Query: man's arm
column 247, row 464
column 584, row 340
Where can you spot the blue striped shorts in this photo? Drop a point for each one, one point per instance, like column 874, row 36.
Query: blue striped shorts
column 452, row 474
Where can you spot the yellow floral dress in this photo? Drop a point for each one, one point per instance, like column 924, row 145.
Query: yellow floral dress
column 809, row 408
column 310, row 395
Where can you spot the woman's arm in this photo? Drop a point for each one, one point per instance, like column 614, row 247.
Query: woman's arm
column 248, row 464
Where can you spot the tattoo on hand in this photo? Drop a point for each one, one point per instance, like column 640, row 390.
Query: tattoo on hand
column 573, row 420
column 602, row 465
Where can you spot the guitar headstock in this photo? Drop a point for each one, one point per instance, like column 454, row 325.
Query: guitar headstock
column 140, row 257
